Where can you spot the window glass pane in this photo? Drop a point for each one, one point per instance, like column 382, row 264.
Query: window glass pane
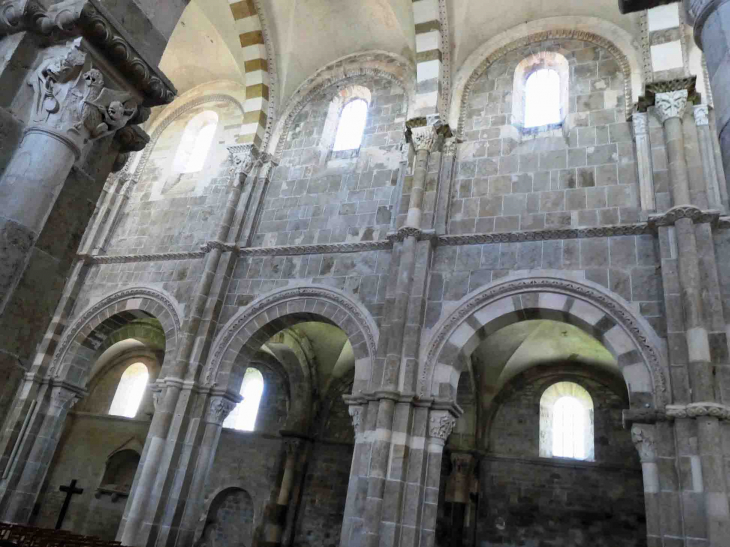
column 542, row 98
column 352, row 125
column 195, row 143
column 243, row 417
column 569, row 428
column 130, row 391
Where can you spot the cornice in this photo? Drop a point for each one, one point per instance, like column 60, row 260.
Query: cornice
column 88, row 18
column 639, row 228
column 695, row 214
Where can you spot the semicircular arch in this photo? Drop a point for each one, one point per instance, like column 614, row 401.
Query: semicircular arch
column 584, row 304
column 87, row 332
column 588, row 29
column 271, row 313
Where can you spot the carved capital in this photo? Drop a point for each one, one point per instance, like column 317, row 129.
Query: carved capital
column 291, row 446
column 640, row 121
column 451, row 146
column 670, row 104
column 356, row 413
column 219, row 409
column 643, row 437
column 72, row 101
column 244, row 157
column 702, row 114
column 423, row 137
column 440, row 425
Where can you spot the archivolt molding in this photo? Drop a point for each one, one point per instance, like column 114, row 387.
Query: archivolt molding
column 379, row 64
column 587, row 29
column 341, row 300
column 271, row 64
column 640, row 332
column 95, row 311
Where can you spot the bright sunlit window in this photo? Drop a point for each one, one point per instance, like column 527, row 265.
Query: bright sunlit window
column 542, row 98
column 352, row 125
column 130, row 391
column 569, row 429
column 243, row 417
column 196, row 142
column 566, row 422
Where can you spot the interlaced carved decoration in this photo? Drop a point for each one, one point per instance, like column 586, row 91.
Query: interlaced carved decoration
column 699, row 410
column 695, row 214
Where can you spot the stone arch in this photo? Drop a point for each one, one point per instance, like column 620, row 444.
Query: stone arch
column 215, row 502
column 381, row 64
column 588, row 29
column 87, row 332
column 584, row 304
column 271, row 313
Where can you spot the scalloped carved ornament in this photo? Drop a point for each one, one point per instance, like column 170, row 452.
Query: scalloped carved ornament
column 695, row 214
column 699, row 410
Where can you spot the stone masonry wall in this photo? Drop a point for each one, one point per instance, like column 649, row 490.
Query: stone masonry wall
column 585, row 175
column 317, row 196
column 527, row 500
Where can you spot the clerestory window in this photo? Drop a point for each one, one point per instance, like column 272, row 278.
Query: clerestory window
column 351, row 126
column 130, row 391
column 243, row 416
column 566, row 422
column 542, row 98
column 196, row 142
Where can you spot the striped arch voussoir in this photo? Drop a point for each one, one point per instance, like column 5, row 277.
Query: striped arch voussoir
column 628, row 337
column 254, row 325
column 87, row 333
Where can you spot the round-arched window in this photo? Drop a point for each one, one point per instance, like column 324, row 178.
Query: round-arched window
column 243, row 416
column 566, row 422
column 542, row 98
column 195, row 143
column 351, row 126
column 130, row 391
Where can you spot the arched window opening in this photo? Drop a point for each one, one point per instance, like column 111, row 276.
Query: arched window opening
column 195, row 143
column 542, row 98
column 243, row 416
column 566, row 422
column 130, row 391
column 352, row 125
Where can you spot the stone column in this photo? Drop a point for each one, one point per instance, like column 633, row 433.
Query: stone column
column 446, row 178
column 275, row 528
column 716, row 191
column 669, row 108
column 168, row 428
column 644, row 438
column 458, row 488
column 219, row 407
column 710, row 19
column 640, row 124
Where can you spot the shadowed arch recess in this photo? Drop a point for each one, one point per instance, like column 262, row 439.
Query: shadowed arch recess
column 269, row 314
column 581, row 303
column 86, row 336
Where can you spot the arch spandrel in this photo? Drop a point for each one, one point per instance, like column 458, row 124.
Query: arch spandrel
column 584, row 304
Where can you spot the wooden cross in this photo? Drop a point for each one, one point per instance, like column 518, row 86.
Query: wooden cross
column 70, row 491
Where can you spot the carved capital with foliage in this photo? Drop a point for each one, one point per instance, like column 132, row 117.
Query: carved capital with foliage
column 244, row 158
column 219, row 409
column 702, row 114
column 441, row 424
column 644, row 439
column 670, row 104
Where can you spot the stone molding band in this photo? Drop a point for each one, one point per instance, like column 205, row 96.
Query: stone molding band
column 88, row 18
column 673, row 412
column 668, row 218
